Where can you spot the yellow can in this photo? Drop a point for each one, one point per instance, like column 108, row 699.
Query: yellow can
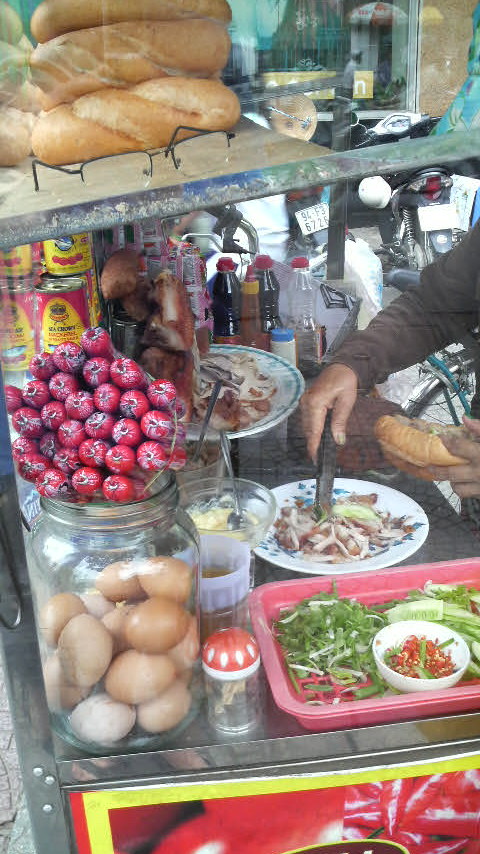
column 69, row 255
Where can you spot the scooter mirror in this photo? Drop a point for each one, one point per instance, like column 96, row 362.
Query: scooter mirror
column 375, row 192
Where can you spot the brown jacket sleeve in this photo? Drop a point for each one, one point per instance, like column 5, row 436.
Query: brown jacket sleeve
column 440, row 311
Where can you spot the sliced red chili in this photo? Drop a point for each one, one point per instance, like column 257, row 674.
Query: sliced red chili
column 425, row 789
column 462, row 782
column 368, row 816
column 420, row 658
column 393, row 800
column 447, row 816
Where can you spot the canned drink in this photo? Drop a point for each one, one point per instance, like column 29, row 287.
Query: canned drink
column 62, row 310
column 67, row 255
column 17, row 325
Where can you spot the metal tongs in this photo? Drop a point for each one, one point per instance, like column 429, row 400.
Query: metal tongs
column 326, row 465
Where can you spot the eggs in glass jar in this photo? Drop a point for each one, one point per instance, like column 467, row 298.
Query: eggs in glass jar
column 120, row 656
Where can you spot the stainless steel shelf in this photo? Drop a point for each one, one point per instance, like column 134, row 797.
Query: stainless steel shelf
column 260, row 163
column 297, row 752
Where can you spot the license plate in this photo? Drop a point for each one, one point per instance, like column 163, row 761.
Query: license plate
column 437, row 217
column 313, row 219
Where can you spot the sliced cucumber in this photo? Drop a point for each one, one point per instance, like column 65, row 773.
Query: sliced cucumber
column 355, row 511
column 475, row 649
column 421, row 609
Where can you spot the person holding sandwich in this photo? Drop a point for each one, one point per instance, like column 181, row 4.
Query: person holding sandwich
column 441, row 310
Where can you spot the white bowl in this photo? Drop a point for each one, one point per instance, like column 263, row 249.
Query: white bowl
column 394, row 634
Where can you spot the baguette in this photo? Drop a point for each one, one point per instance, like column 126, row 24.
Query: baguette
column 123, row 54
column 54, row 17
column 417, row 441
column 113, row 121
column 408, row 468
column 15, row 135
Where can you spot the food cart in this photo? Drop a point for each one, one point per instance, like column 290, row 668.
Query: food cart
column 359, row 773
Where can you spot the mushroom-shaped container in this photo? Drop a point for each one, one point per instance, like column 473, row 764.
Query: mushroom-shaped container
column 231, row 666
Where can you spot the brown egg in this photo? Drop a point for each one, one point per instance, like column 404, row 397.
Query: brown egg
column 166, row 576
column 60, row 694
column 56, row 613
column 156, row 625
column 118, row 582
column 85, row 650
column 114, row 621
column 166, row 711
column 185, row 653
column 134, row 677
column 101, row 720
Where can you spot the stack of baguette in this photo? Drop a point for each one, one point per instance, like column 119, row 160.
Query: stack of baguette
column 122, row 75
column 18, row 98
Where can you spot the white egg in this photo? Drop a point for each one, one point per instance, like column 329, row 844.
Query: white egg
column 101, row 720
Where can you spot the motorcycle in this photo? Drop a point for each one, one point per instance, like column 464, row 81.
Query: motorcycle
column 420, row 224
column 309, row 209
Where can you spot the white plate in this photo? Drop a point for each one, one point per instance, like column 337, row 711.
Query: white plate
column 389, row 500
column 288, row 379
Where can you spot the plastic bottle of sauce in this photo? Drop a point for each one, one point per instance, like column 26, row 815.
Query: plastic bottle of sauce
column 307, row 332
column 269, row 293
column 251, row 331
column 226, row 303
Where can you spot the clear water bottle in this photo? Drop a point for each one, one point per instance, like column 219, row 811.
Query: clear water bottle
column 269, row 293
column 307, row 333
column 226, row 303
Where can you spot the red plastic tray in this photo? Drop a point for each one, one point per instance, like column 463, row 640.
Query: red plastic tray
column 267, row 600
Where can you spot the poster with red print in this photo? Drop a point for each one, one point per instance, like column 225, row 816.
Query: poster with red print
column 432, row 808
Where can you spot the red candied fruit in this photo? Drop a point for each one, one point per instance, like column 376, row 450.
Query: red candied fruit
column 27, row 422
column 13, row 398
column 86, row 480
column 42, row 366
column 69, row 356
column 118, row 487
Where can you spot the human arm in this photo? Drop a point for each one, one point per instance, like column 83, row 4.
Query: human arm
column 439, row 311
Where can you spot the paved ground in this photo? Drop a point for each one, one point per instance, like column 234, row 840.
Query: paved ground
column 10, row 784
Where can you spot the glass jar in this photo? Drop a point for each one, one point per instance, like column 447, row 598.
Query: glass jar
column 115, row 589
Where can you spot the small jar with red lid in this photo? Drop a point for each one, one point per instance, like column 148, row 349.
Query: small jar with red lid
column 233, row 682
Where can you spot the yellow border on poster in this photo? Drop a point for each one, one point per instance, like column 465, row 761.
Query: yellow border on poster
column 97, row 804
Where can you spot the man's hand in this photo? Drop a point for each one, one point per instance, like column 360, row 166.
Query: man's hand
column 335, row 389
column 464, row 478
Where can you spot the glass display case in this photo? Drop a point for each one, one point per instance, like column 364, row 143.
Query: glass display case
column 276, row 181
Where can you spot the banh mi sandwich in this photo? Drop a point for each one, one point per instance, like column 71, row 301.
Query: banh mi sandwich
column 413, row 444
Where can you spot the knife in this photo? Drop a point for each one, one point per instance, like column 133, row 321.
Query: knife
column 326, row 464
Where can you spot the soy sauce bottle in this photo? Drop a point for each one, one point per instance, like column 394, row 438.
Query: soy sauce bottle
column 269, row 293
column 226, row 303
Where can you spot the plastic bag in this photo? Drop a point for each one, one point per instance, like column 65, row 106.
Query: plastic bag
column 363, row 269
